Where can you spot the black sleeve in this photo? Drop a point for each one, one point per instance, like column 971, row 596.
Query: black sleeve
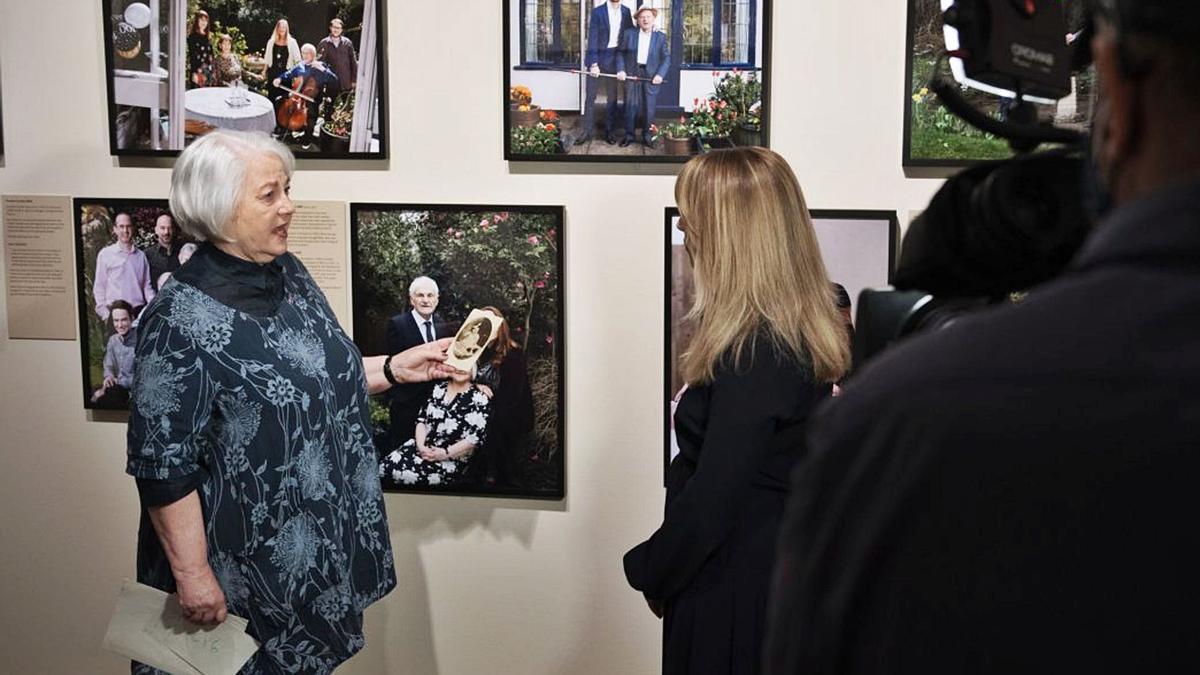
column 393, row 337
column 744, row 411
column 489, row 375
column 153, row 492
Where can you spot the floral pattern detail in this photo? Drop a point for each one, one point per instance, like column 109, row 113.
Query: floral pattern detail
column 295, row 547
column 258, row 514
column 200, row 318
column 156, row 387
column 464, row 418
column 239, row 419
column 215, row 337
column 281, row 391
column 229, row 576
column 290, row 491
column 334, row 603
column 312, row 468
column 303, row 350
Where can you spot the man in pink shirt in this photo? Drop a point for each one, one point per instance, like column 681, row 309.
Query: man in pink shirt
column 122, row 271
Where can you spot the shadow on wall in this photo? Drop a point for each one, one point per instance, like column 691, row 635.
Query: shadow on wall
column 404, row 619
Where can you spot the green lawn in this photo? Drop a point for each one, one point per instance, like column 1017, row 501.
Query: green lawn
column 954, row 140
column 934, row 144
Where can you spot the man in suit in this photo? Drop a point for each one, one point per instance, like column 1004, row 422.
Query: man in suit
column 608, row 22
column 643, row 53
column 415, row 327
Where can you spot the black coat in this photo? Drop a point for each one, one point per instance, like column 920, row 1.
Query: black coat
column 710, row 561
column 405, row 400
column 1015, row 493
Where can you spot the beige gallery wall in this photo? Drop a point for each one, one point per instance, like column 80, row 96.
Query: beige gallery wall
column 486, row 585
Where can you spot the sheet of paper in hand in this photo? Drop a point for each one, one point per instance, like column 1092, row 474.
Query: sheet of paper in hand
column 148, row 626
column 476, row 333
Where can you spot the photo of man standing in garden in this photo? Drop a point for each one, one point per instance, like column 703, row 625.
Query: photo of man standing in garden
column 643, row 54
column 609, row 22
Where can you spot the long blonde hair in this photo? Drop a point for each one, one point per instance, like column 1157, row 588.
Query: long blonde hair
column 287, row 33
column 757, row 265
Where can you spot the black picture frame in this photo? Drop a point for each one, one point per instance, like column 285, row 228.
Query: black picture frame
column 1, row 118
column 911, row 90
column 380, row 86
column 93, row 331
column 888, row 224
column 756, row 50
column 380, row 293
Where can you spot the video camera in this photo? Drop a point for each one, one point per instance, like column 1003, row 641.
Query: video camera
column 1000, row 227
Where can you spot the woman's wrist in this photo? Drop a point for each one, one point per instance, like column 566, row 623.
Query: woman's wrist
column 387, row 371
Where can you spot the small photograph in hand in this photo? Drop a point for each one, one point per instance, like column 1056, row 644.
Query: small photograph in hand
column 476, row 334
column 490, row 276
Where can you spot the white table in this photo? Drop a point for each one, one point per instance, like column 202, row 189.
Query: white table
column 207, row 104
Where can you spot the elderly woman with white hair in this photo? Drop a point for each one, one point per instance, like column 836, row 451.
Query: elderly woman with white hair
column 249, row 432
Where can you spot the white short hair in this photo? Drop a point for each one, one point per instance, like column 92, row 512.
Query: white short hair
column 307, row 47
column 422, row 281
column 207, row 181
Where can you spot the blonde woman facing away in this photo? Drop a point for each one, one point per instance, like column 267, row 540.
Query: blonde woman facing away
column 768, row 345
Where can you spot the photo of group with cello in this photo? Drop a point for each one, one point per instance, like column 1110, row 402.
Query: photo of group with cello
column 306, row 71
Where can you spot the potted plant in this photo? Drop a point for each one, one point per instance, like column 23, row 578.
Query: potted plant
column 523, row 113
column 741, row 97
column 540, row 139
column 711, row 123
column 749, row 128
column 335, row 131
column 677, row 137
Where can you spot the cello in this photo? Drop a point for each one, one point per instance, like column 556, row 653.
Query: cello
column 292, row 113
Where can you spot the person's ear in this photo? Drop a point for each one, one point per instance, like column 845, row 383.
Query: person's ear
column 1117, row 121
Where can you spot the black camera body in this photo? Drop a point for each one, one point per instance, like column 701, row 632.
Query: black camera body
column 995, row 229
column 1018, row 45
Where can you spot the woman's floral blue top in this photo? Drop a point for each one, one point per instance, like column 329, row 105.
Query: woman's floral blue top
column 271, row 412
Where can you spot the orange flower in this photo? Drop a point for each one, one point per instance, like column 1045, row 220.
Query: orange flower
column 550, row 127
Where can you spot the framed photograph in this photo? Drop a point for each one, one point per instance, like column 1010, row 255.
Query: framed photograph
column 933, row 136
column 125, row 250
column 641, row 81
column 311, row 72
column 1, row 122
column 424, row 272
column 859, row 250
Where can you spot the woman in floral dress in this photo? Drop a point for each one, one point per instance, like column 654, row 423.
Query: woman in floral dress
column 449, row 429
column 248, row 428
